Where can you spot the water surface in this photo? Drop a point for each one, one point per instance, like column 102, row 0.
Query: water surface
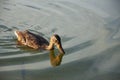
column 90, row 33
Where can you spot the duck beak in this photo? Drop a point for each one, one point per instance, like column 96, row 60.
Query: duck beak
column 60, row 48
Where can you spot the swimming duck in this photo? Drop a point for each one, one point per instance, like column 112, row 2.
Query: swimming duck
column 38, row 42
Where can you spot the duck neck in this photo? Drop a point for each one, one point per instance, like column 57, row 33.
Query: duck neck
column 50, row 46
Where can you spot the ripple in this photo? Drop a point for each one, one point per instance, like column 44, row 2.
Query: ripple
column 34, row 7
column 4, row 28
column 30, row 66
column 1, row 20
column 18, row 56
column 67, row 6
column 114, row 28
column 36, row 32
column 80, row 46
column 8, row 9
column 7, row 2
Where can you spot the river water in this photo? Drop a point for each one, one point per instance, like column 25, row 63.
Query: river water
column 90, row 33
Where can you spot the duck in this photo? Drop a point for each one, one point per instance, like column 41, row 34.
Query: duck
column 36, row 41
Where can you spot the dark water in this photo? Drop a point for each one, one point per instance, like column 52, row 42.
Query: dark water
column 90, row 32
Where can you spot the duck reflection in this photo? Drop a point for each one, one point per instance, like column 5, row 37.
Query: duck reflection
column 55, row 59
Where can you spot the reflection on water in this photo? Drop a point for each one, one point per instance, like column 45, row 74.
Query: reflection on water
column 90, row 32
column 55, row 59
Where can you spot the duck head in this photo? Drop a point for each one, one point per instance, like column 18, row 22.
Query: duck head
column 56, row 40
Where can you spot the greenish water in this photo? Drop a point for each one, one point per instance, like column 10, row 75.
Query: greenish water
column 90, row 33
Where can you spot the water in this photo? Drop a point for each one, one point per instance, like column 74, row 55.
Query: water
column 90, row 32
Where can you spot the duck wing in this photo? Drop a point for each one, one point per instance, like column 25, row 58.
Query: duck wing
column 35, row 41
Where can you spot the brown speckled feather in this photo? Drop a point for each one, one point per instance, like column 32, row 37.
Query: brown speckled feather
column 34, row 40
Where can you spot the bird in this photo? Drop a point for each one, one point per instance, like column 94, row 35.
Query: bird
column 36, row 41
